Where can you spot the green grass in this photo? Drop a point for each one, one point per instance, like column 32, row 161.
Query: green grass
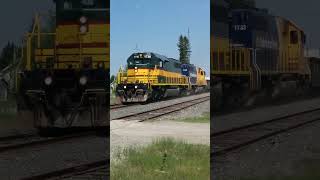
column 164, row 159
column 204, row 118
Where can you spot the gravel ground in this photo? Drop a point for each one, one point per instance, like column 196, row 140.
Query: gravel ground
column 116, row 113
column 37, row 160
column 289, row 154
column 132, row 133
column 224, row 122
column 16, row 125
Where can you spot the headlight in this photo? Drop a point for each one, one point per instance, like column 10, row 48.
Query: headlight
column 100, row 65
column 83, row 29
column 83, row 20
column 38, row 66
column 83, row 80
column 125, row 87
column 48, row 81
column 136, row 87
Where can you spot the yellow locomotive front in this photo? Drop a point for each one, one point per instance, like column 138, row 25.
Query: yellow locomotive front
column 66, row 72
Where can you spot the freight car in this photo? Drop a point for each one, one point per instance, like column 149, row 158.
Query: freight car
column 64, row 74
column 265, row 52
column 152, row 77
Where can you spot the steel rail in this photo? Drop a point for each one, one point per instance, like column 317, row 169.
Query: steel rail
column 240, row 137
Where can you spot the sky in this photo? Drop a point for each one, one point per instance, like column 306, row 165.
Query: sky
column 16, row 17
column 155, row 26
column 305, row 14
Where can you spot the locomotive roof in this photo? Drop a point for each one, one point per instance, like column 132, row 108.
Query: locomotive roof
column 254, row 10
column 264, row 12
column 220, row 2
column 291, row 22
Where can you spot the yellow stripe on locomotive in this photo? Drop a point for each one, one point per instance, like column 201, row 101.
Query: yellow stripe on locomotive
column 152, row 77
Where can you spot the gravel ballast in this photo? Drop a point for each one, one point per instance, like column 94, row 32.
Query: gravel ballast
column 295, row 153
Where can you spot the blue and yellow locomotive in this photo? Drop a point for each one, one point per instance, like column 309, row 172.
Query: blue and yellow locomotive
column 259, row 52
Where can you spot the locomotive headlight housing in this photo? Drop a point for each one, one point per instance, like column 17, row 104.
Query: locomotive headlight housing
column 38, row 66
column 83, row 80
column 83, row 20
column 100, row 65
column 83, row 29
column 48, row 81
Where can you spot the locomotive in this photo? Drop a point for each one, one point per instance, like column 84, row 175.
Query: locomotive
column 151, row 76
column 196, row 76
column 220, row 48
column 64, row 74
column 262, row 53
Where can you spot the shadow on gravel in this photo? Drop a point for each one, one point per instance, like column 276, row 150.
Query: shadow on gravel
column 57, row 132
column 315, row 93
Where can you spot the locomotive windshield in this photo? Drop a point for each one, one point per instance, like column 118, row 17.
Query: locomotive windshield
column 140, row 60
column 69, row 5
column 72, row 10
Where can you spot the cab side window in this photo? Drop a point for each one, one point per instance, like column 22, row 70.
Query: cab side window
column 294, row 37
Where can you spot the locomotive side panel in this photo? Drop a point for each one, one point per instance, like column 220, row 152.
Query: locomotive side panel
column 219, row 43
column 201, row 77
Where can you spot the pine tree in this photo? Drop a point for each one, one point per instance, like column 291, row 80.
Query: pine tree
column 184, row 48
column 7, row 55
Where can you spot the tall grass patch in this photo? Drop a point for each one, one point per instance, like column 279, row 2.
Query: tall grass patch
column 165, row 158
column 204, row 118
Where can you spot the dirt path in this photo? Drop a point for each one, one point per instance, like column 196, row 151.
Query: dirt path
column 133, row 133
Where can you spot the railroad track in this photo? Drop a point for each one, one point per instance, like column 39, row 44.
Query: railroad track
column 93, row 170
column 117, row 106
column 120, row 106
column 32, row 140
column 155, row 113
column 227, row 141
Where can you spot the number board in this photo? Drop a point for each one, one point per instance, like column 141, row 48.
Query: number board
column 142, row 56
column 240, row 27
